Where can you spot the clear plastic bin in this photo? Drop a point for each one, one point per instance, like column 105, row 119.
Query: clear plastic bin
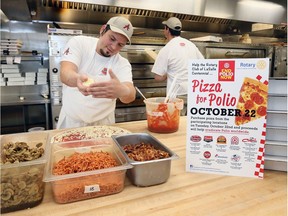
column 86, row 184
column 22, row 185
column 163, row 117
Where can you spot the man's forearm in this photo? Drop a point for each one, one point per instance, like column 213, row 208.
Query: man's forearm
column 68, row 74
column 69, row 78
column 129, row 93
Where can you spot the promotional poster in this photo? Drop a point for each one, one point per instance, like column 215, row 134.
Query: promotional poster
column 226, row 116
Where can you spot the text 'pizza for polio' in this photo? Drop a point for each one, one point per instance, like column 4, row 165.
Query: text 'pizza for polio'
column 252, row 101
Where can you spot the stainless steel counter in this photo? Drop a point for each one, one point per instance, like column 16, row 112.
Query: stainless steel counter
column 13, row 100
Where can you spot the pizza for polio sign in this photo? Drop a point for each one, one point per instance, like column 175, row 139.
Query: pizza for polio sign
column 227, row 99
column 214, row 96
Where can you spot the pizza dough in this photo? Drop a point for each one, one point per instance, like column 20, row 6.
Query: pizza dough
column 88, row 82
column 87, row 133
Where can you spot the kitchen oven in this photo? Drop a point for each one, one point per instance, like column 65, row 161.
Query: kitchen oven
column 227, row 50
column 142, row 64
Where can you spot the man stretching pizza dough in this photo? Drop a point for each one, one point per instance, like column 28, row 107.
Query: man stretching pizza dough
column 94, row 75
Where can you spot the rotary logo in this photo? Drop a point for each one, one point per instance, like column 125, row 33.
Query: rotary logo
column 261, row 64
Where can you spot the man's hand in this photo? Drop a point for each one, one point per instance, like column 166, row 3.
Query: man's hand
column 112, row 89
column 160, row 78
column 83, row 83
column 69, row 76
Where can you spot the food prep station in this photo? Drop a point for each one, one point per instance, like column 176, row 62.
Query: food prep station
column 80, row 164
column 43, row 42
column 155, row 187
column 181, row 187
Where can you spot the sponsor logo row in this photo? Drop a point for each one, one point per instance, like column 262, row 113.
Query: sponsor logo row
column 234, row 140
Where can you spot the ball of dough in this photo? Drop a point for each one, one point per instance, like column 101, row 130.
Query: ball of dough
column 88, row 82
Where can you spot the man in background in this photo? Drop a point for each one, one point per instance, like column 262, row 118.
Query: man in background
column 172, row 59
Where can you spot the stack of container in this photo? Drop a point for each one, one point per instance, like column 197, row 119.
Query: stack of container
column 11, row 46
column 11, row 76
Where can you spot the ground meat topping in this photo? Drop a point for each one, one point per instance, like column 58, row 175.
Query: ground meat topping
column 144, row 152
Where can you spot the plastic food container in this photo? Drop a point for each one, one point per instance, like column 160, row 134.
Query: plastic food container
column 85, row 184
column 36, row 129
column 146, row 173
column 163, row 117
column 22, row 185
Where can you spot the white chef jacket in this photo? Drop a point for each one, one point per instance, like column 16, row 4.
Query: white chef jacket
column 86, row 110
column 173, row 58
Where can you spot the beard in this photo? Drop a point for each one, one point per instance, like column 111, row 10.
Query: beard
column 104, row 53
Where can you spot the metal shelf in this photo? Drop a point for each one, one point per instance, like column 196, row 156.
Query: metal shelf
column 24, row 57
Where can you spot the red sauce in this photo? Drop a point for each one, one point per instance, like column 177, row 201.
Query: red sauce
column 73, row 136
column 164, row 122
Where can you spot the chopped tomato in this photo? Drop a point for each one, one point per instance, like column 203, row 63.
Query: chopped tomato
column 164, row 123
column 73, row 136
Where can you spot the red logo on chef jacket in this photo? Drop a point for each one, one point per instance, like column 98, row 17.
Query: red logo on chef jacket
column 104, row 71
column 226, row 71
column 182, row 44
